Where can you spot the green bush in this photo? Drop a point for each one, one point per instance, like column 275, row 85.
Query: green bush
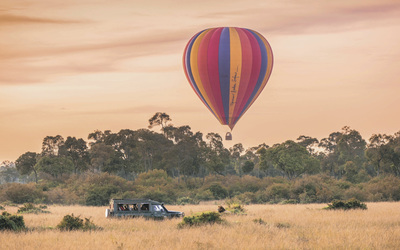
column 71, row 222
column 100, row 195
column 2, row 208
column 22, row 193
column 218, row 191
column 11, row 222
column 29, row 208
column 235, row 207
column 346, row 205
column 201, row 219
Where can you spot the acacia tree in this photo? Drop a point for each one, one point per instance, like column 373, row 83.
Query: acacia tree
column 26, row 164
column 159, row 119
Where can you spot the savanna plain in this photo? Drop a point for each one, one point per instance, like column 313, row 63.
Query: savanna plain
column 301, row 226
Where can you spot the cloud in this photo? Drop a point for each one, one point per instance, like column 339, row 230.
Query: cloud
column 7, row 19
column 300, row 17
column 40, row 63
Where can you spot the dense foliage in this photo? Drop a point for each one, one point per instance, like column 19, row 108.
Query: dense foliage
column 71, row 222
column 11, row 222
column 180, row 166
column 201, row 219
column 346, row 205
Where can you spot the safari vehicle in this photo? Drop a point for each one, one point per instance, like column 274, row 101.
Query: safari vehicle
column 140, row 208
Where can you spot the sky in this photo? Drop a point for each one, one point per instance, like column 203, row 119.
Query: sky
column 72, row 67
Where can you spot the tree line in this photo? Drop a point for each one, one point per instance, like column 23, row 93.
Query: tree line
column 181, row 153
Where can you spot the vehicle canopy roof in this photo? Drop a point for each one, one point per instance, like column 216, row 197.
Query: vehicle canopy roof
column 133, row 201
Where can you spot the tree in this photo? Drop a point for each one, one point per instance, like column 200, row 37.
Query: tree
column 384, row 153
column 379, row 152
column 55, row 166
column 308, row 142
column 185, row 156
column 26, row 164
column 159, row 119
column 99, row 155
column 77, row 150
column 151, row 147
column 292, row 159
column 248, row 166
column 342, row 147
column 217, row 156
column 51, row 145
column 236, row 153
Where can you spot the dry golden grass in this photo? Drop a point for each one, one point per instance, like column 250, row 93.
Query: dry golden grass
column 285, row 227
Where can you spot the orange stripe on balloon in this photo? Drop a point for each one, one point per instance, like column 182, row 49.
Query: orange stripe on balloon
column 236, row 68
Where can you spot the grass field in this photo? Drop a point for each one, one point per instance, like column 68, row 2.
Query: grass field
column 282, row 227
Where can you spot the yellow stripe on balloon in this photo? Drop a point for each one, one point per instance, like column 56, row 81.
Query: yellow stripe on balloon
column 195, row 71
column 236, row 69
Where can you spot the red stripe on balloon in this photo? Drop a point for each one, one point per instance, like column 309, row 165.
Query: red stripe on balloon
column 202, row 64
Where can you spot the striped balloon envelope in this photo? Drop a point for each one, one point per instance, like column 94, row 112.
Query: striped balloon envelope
column 228, row 67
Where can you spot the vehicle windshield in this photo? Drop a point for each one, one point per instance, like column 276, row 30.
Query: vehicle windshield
column 158, row 208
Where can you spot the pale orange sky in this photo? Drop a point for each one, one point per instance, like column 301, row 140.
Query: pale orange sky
column 72, row 67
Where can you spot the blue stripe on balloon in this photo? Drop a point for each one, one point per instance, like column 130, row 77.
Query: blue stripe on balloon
column 224, row 60
column 263, row 70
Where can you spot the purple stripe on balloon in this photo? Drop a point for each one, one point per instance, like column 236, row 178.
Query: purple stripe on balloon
column 224, row 64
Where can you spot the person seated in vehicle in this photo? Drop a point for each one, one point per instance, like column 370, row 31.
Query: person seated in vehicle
column 145, row 207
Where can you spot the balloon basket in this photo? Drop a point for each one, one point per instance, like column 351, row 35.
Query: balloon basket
column 228, row 136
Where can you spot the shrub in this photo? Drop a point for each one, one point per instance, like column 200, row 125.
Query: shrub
column 346, row 205
column 277, row 192
column 201, row 219
column 235, row 207
column 246, row 198
column 71, row 222
column 29, row 208
column 11, row 222
column 22, row 193
column 218, row 191
column 2, row 208
column 100, row 195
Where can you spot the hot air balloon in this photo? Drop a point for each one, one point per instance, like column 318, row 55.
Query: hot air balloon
column 228, row 67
